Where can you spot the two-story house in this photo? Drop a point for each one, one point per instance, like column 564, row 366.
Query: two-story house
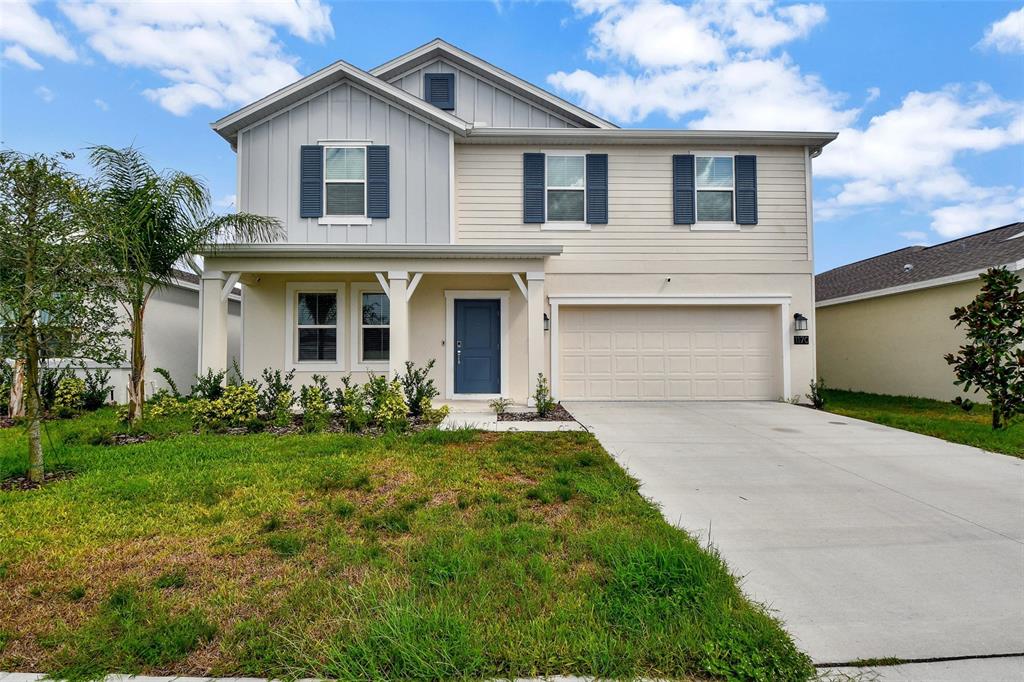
column 438, row 207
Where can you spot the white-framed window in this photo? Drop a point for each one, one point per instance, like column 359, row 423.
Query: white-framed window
column 371, row 326
column 565, row 198
column 314, row 312
column 715, row 189
column 344, row 183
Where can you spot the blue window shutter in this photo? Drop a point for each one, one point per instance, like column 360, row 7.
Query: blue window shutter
column 378, row 181
column 311, row 181
column 746, row 189
column 597, row 189
column 684, row 194
column 439, row 90
column 533, row 187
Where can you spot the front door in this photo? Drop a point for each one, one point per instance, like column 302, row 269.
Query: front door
column 477, row 346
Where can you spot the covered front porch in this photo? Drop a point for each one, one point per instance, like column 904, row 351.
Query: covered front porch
column 478, row 312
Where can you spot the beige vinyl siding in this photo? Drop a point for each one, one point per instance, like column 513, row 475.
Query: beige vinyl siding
column 489, row 206
column 480, row 100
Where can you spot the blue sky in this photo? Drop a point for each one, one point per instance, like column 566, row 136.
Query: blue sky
column 927, row 96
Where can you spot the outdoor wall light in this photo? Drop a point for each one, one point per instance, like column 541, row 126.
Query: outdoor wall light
column 800, row 322
column 547, row 323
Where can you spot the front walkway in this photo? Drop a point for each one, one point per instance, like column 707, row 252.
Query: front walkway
column 869, row 542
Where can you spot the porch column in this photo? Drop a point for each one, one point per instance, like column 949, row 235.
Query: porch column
column 213, row 329
column 535, row 329
column 398, row 284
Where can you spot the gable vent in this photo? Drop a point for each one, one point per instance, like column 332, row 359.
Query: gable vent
column 439, row 90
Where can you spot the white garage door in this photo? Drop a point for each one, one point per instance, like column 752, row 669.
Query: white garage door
column 669, row 353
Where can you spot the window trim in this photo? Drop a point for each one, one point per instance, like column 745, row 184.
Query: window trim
column 358, row 365
column 291, row 344
column 326, row 219
column 714, row 225
column 565, row 225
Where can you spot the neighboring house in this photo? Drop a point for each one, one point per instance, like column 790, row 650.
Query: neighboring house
column 172, row 337
column 438, row 207
column 883, row 323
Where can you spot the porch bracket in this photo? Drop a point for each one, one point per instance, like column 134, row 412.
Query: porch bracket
column 413, row 283
column 229, row 285
column 519, row 283
column 383, row 284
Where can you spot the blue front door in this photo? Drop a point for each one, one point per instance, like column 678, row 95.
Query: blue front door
column 477, row 346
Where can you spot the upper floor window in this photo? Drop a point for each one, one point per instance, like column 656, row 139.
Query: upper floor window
column 714, row 185
column 345, row 181
column 566, row 178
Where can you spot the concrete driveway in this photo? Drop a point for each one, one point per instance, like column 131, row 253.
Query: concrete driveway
column 868, row 541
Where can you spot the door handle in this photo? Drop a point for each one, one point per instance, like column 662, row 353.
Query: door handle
column 458, row 357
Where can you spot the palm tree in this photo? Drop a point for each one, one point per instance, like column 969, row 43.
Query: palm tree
column 153, row 221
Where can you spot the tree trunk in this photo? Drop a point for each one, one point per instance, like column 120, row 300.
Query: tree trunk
column 137, row 381
column 35, row 442
column 17, row 402
column 996, row 417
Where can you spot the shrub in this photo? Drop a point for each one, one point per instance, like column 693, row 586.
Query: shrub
column 97, row 389
column 315, row 412
column 49, row 380
column 166, row 405
column 209, row 386
column 433, row 416
column 70, row 396
column 500, row 405
column 542, row 396
column 419, row 389
column 817, row 394
column 390, row 411
column 375, row 388
column 277, row 393
column 350, row 402
column 170, row 381
column 237, row 406
column 281, row 413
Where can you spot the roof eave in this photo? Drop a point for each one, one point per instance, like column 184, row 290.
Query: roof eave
column 457, row 251
column 439, row 47
column 228, row 126
column 816, row 140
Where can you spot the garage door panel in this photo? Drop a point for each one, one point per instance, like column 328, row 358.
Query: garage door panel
column 669, row 353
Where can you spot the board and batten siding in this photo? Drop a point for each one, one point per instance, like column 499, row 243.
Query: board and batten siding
column 268, row 168
column 480, row 101
column 489, row 207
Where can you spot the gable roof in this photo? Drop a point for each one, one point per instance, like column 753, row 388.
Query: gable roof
column 440, row 49
column 942, row 262
column 228, row 126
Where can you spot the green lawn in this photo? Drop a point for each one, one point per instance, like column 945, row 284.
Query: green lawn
column 931, row 417
column 437, row 555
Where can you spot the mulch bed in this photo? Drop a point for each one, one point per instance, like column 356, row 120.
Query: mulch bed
column 129, row 438
column 8, row 422
column 22, row 482
column 558, row 414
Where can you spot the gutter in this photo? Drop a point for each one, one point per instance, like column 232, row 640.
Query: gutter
column 815, row 140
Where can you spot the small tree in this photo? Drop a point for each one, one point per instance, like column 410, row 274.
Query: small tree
column 993, row 358
column 54, row 295
column 153, row 221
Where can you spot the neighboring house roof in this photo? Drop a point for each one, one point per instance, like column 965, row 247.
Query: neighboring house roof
column 184, row 279
column 440, row 49
column 922, row 266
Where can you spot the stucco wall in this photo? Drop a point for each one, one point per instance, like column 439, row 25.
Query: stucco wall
column 894, row 344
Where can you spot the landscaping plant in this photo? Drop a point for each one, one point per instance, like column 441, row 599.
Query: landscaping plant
column 992, row 360
column 419, row 388
column 151, row 221
column 209, row 385
column 238, row 406
column 500, row 405
column 53, row 282
column 170, row 381
column 542, row 397
column 70, row 396
column 817, row 394
column 390, row 411
column 350, row 403
column 313, row 399
column 277, row 396
column 97, row 389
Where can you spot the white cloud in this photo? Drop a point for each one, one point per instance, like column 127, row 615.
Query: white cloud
column 227, row 201
column 1007, row 34
column 720, row 65
column 994, row 208
column 101, row 104
column 22, row 29
column 46, row 94
column 212, row 54
column 17, row 54
column 915, row 237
